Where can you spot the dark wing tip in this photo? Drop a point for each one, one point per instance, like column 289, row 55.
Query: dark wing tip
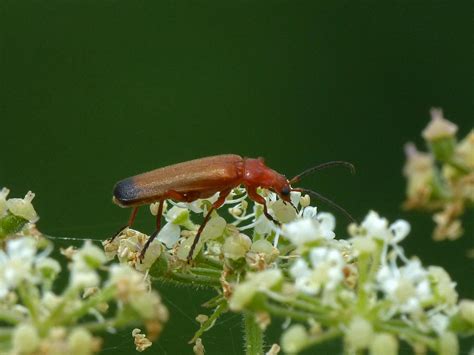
column 126, row 191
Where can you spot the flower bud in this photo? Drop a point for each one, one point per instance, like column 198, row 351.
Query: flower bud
column 284, row 212
column 360, row 334
column 466, row 310
column 236, row 246
column 294, row 339
column 384, row 344
column 23, row 207
column 439, row 127
column 440, row 134
column 448, row 344
column 80, row 342
column 25, row 339
column 364, row 245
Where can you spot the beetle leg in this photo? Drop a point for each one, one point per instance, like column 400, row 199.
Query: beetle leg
column 155, row 233
column 220, row 201
column 128, row 225
column 253, row 194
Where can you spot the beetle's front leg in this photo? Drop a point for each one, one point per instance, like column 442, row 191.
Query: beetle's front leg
column 255, row 196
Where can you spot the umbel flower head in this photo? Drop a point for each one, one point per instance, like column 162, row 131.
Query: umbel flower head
column 41, row 317
column 363, row 288
column 447, row 190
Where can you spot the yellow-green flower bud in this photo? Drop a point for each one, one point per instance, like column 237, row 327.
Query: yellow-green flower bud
column 236, row 246
column 25, row 339
column 22, row 207
column 80, row 342
column 294, row 339
column 284, row 212
column 466, row 310
column 384, row 344
column 359, row 334
column 364, row 245
column 448, row 344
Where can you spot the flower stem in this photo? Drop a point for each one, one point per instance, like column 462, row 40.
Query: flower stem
column 253, row 335
column 221, row 308
column 191, row 279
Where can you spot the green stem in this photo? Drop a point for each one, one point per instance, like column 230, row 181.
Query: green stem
column 285, row 312
column 303, row 304
column 27, row 294
column 10, row 316
column 209, row 261
column 400, row 328
column 190, row 279
column 221, row 308
column 363, row 263
column 253, row 335
column 329, row 335
column 205, row 272
column 103, row 296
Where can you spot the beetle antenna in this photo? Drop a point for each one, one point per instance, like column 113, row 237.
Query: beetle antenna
column 328, row 202
column 322, row 166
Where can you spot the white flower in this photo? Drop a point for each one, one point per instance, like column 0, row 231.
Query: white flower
column 83, row 278
column 400, row 229
column 325, row 271
column 177, row 215
column 376, row 226
column 130, row 284
column 306, row 230
column 408, row 286
column 439, row 322
column 16, row 263
column 169, row 234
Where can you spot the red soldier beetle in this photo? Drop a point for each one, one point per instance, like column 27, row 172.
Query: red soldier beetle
column 202, row 178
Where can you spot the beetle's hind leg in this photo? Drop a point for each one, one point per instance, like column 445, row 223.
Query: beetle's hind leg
column 128, row 225
column 155, row 233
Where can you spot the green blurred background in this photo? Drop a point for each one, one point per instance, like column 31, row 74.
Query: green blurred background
column 95, row 91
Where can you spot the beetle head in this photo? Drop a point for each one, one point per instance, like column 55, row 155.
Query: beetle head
column 282, row 187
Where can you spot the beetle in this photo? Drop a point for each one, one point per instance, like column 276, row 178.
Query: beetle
column 202, row 178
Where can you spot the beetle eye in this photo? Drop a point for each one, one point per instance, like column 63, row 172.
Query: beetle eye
column 285, row 191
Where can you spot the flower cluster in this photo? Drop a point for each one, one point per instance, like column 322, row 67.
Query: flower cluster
column 443, row 179
column 362, row 289
column 38, row 317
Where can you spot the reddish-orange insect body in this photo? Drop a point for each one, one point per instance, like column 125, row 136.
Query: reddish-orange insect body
column 202, row 178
